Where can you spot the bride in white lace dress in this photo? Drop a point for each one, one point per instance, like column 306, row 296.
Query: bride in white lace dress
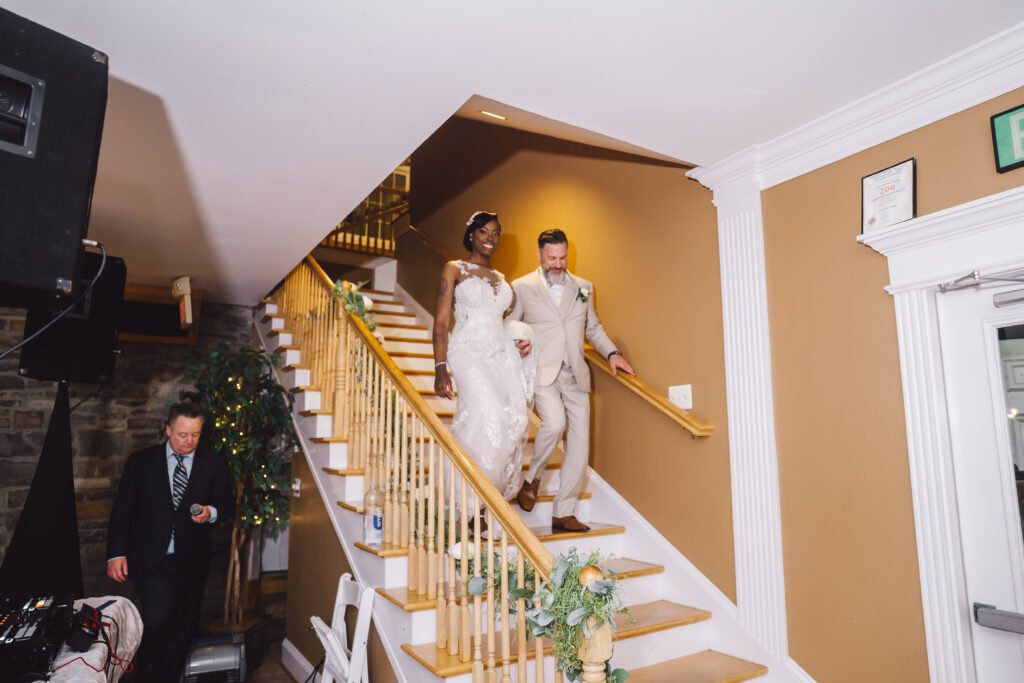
column 486, row 355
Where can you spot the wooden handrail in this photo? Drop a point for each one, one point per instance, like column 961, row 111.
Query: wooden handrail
column 689, row 422
column 433, row 244
column 527, row 541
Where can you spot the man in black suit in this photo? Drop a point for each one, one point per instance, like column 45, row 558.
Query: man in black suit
column 154, row 539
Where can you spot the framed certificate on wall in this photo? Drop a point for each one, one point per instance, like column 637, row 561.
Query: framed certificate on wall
column 888, row 197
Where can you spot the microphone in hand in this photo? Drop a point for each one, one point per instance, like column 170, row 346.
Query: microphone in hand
column 195, row 509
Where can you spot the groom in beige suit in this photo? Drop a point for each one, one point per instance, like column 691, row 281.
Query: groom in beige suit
column 560, row 308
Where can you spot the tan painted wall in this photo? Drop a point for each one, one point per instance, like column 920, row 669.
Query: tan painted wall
column 315, row 562
column 852, row 589
column 646, row 237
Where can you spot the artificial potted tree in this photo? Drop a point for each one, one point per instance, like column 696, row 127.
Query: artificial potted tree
column 249, row 422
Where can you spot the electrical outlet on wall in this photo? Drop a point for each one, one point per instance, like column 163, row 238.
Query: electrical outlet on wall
column 681, row 395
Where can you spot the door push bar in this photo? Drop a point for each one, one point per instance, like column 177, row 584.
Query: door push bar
column 989, row 616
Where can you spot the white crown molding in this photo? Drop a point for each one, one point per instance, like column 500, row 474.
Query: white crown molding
column 980, row 72
column 947, row 244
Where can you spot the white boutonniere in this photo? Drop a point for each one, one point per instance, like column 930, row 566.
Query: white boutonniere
column 583, row 294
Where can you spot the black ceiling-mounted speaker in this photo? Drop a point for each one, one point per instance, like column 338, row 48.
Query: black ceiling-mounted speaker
column 53, row 96
column 80, row 346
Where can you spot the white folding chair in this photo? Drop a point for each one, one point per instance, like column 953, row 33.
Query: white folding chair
column 341, row 663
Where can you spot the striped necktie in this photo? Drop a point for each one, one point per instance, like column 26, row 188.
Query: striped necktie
column 180, row 481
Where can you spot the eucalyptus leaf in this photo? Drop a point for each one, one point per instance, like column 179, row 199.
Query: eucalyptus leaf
column 618, row 676
column 477, row 586
column 576, row 616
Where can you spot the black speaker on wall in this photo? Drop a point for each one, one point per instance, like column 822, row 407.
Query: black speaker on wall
column 53, row 96
column 80, row 346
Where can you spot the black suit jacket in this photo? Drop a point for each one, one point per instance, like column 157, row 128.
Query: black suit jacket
column 143, row 513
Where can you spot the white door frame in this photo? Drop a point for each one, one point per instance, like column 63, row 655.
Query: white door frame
column 985, row 235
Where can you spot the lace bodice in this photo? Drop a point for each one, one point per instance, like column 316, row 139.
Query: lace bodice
column 481, row 298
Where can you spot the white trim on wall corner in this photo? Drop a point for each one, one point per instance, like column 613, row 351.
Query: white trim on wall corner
column 295, row 663
column 978, row 73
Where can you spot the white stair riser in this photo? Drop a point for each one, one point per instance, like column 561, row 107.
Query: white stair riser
column 307, row 400
column 413, row 347
column 407, row 363
column 385, row 306
column 385, row 318
column 403, row 332
column 297, row 377
column 318, row 425
column 289, row 357
column 422, row 381
column 334, row 454
column 440, row 405
column 282, row 339
column 266, row 309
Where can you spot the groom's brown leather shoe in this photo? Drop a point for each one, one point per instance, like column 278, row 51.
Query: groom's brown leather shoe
column 527, row 497
column 569, row 523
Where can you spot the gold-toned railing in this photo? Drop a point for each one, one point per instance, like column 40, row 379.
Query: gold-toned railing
column 434, row 496
column 684, row 418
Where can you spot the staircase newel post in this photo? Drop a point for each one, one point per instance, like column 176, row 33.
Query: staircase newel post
column 340, row 417
column 595, row 651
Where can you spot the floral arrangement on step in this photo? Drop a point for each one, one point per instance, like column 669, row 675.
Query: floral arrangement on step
column 356, row 303
column 579, row 595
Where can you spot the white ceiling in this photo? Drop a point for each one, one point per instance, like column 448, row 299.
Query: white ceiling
column 238, row 133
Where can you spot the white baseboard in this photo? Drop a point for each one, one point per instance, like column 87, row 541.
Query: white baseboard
column 797, row 672
column 294, row 663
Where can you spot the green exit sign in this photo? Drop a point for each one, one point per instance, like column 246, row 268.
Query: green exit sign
column 1008, row 138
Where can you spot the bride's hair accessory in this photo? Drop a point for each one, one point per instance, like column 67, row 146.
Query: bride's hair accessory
column 478, row 220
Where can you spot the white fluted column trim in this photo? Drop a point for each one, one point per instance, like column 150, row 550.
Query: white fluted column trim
column 932, row 481
column 757, row 532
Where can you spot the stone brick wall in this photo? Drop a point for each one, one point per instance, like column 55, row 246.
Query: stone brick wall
column 126, row 415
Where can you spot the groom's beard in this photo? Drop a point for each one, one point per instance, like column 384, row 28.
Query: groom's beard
column 555, row 278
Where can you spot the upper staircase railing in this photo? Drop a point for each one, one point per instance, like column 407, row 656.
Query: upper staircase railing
column 435, row 496
column 684, row 418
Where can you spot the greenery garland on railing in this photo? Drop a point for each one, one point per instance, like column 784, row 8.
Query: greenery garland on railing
column 355, row 303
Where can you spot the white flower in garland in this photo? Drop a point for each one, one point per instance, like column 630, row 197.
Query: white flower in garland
column 455, row 550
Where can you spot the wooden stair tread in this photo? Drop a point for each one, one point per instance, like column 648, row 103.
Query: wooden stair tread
column 274, row 333
column 329, row 439
column 402, row 326
column 417, row 372
column 299, row 390
column 376, row 291
column 648, row 618
column 406, row 340
column 356, row 506
column 270, row 316
column 626, row 568
column 386, row 550
column 287, row 347
column 546, row 533
column 410, row 354
column 296, row 366
column 340, row 472
column 316, row 411
column 703, row 667
column 416, row 602
column 402, row 313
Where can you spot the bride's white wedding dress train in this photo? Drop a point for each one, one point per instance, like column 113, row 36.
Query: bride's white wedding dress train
column 495, row 385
